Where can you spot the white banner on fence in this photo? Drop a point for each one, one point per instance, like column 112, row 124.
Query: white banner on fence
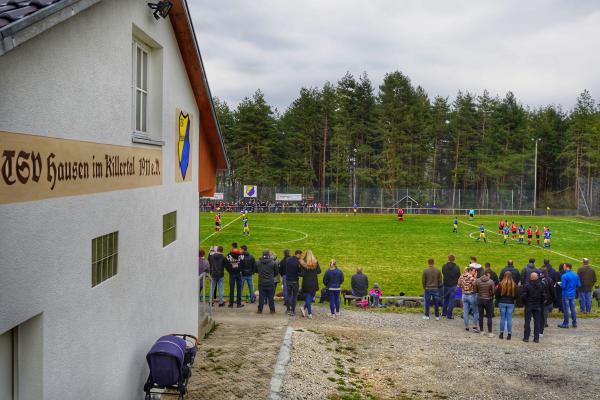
column 216, row 196
column 250, row 190
column 288, row 196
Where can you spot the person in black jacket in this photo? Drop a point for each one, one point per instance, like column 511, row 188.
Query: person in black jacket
column 527, row 270
column 267, row 269
column 516, row 276
column 451, row 273
column 309, row 271
column 292, row 273
column 534, row 298
column 550, row 297
column 216, row 262
column 248, row 268
column 232, row 265
column 286, row 255
column 493, row 276
column 359, row 283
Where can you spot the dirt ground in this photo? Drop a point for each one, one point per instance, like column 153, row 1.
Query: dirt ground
column 236, row 361
column 366, row 355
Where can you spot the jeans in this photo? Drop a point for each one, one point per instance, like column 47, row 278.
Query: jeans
column 309, row 297
column 334, row 300
column 568, row 304
column 219, row 283
column 506, row 314
column 292, row 295
column 284, row 289
column 266, row 294
column 375, row 300
column 249, row 280
column 470, row 303
column 449, row 300
column 432, row 295
column 545, row 311
column 585, row 302
column 235, row 280
column 488, row 306
column 536, row 313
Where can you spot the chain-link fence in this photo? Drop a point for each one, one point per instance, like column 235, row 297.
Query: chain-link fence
column 588, row 199
column 387, row 200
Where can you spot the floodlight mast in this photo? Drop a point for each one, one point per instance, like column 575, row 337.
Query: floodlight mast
column 536, row 140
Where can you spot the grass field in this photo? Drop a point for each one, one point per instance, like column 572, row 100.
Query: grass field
column 394, row 254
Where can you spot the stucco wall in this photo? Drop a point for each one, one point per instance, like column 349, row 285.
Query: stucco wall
column 74, row 82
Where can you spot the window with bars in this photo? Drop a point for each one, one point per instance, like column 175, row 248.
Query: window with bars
column 105, row 252
column 140, row 85
column 169, row 228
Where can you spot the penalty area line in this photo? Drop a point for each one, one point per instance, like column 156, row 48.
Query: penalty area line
column 577, row 222
column 536, row 247
column 211, row 235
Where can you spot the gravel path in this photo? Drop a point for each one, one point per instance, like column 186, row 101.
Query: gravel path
column 236, row 360
column 369, row 355
column 391, row 356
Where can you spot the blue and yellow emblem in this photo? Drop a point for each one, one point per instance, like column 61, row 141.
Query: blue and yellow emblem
column 250, row 190
column 183, row 150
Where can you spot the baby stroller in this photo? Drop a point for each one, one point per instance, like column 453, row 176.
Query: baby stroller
column 170, row 360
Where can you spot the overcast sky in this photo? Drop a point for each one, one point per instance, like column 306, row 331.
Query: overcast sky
column 546, row 52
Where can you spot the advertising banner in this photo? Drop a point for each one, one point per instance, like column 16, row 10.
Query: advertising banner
column 217, row 196
column 288, row 196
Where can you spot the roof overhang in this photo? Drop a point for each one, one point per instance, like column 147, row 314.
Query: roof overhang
column 14, row 34
column 190, row 53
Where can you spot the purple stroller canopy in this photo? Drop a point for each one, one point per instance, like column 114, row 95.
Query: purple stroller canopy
column 165, row 360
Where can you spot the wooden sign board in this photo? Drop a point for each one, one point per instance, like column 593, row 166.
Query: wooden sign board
column 38, row 167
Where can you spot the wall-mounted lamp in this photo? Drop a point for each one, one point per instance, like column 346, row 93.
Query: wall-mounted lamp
column 161, row 8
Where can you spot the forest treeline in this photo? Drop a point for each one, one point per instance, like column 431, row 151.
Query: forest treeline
column 397, row 136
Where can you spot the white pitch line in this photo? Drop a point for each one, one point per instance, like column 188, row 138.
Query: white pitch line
column 591, row 233
column 578, row 222
column 215, row 232
column 536, row 247
column 285, row 229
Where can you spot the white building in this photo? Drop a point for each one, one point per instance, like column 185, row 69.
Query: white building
column 98, row 193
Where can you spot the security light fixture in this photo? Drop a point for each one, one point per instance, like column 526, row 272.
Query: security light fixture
column 161, row 8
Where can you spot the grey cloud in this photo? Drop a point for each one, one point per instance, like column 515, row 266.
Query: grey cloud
column 545, row 51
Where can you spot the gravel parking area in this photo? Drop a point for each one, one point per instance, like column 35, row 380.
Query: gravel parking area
column 369, row 355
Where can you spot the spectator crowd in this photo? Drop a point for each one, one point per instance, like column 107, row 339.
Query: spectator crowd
column 478, row 289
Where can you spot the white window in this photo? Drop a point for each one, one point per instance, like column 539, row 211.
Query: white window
column 141, row 90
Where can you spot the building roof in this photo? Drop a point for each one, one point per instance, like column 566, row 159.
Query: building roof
column 23, row 20
column 12, row 11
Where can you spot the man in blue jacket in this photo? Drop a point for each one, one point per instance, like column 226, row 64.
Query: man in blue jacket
column 569, row 283
column 333, row 279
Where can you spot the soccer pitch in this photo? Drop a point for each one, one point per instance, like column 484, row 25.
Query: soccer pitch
column 394, row 253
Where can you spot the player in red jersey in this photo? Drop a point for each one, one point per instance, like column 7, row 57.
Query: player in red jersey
column 529, row 235
column 537, row 234
column 218, row 220
column 513, row 228
column 501, row 226
column 400, row 214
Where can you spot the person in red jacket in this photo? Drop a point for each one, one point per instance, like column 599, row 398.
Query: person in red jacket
column 513, row 228
column 500, row 227
column 529, row 235
column 537, row 234
column 400, row 214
